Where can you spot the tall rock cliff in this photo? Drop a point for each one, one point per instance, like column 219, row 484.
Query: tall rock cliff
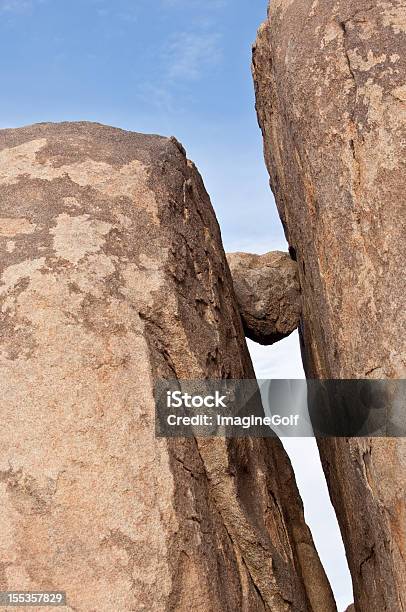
column 113, row 275
column 331, row 102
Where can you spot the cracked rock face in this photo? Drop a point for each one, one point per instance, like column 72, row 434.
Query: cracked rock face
column 268, row 294
column 113, row 275
column 330, row 90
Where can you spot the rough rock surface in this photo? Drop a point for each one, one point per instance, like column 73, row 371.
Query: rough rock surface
column 113, row 275
column 331, row 102
column 268, row 294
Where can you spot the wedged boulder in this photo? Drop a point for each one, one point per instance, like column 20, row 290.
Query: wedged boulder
column 330, row 90
column 113, row 275
column 268, row 294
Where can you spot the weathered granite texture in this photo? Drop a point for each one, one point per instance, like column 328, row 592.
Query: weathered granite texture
column 331, row 102
column 113, row 275
column 268, row 294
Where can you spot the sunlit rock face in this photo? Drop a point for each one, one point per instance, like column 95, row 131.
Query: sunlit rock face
column 113, row 275
column 268, row 294
column 330, row 92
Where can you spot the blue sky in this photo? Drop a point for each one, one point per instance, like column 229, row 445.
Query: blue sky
column 173, row 67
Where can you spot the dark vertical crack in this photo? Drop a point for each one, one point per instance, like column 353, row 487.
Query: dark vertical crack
column 352, row 124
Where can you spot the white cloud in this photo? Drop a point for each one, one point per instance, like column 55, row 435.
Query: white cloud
column 19, row 6
column 183, row 59
column 15, row 5
column 203, row 4
column 190, row 53
column 158, row 96
column 129, row 15
column 186, row 56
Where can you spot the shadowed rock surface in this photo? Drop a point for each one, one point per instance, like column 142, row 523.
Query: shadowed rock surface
column 113, row 275
column 330, row 89
column 268, row 294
